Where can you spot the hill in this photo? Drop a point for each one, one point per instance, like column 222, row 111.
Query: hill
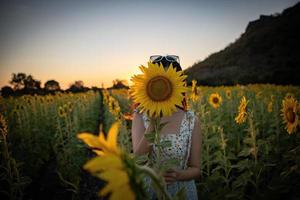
column 267, row 52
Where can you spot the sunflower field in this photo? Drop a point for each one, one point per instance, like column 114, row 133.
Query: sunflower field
column 251, row 143
column 40, row 154
column 250, row 148
column 251, row 140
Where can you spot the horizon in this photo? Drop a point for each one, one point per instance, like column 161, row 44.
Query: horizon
column 103, row 41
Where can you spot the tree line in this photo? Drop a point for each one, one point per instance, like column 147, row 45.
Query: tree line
column 21, row 84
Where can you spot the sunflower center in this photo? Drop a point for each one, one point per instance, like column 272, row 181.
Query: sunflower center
column 159, row 88
column 290, row 115
column 215, row 100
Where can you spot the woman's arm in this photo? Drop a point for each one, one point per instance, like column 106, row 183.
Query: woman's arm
column 139, row 143
column 193, row 171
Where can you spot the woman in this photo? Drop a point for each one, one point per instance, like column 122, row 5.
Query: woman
column 184, row 133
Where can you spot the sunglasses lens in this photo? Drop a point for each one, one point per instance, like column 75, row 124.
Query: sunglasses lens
column 155, row 58
column 172, row 58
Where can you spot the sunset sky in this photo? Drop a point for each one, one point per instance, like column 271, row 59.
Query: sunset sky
column 98, row 41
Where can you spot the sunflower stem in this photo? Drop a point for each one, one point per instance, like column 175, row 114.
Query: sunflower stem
column 157, row 141
column 156, row 179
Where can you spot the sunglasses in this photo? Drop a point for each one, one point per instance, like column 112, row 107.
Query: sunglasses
column 170, row 58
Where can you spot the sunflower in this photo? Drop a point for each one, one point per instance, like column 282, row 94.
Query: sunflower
column 14, row 111
column 41, row 99
column 289, row 95
column 228, row 94
column 242, row 111
column 258, row 95
column 3, row 126
column 100, row 144
column 114, row 106
column 49, row 98
column 105, row 95
column 194, row 95
column 110, row 165
column 215, row 100
column 157, row 90
column 111, row 169
column 70, row 106
column 61, row 112
column 240, row 93
column 272, row 97
column 289, row 114
column 270, row 106
column 127, row 116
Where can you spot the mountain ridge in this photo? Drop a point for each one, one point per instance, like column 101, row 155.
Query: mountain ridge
column 267, row 52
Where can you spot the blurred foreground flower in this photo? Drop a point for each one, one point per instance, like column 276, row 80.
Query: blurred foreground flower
column 110, row 165
column 120, row 170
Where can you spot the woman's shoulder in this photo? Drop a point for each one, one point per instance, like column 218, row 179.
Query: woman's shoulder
column 137, row 110
column 143, row 115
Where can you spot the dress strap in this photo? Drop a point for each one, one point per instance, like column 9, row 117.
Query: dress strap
column 136, row 110
column 146, row 120
column 191, row 122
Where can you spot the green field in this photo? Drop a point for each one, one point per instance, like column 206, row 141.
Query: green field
column 255, row 159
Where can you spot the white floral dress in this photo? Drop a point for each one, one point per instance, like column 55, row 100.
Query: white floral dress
column 179, row 149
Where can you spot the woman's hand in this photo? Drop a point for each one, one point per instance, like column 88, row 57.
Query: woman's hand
column 171, row 176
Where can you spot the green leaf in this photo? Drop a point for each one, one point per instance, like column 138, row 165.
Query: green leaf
column 231, row 156
column 260, row 142
column 141, row 159
column 241, row 165
column 161, row 125
column 217, row 168
column 180, row 195
column 244, row 152
column 165, row 143
column 248, row 141
column 169, row 164
column 150, row 137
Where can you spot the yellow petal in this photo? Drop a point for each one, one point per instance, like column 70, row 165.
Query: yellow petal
column 102, row 163
column 113, row 134
column 124, row 193
column 115, row 179
column 90, row 139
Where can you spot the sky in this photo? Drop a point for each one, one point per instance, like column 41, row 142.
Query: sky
column 99, row 41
